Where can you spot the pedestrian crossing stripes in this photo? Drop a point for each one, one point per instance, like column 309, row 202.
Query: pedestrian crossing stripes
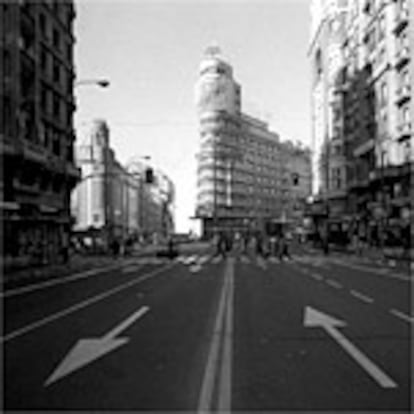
column 196, row 261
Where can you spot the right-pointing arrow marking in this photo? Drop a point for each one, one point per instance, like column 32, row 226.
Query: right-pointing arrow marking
column 314, row 318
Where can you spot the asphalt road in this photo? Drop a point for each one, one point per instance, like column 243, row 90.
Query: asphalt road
column 203, row 334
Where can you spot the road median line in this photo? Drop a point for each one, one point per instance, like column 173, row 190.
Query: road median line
column 218, row 372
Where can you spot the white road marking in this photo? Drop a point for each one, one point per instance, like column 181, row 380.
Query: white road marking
column 88, row 350
column 94, row 299
column 206, row 394
column 381, row 271
column 316, row 276
column 224, row 397
column 361, row 296
column 334, row 284
column 244, row 259
column 261, row 262
column 216, row 259
column 131, row 268
column 190, row 259
column 403, row 316
column 204, row 259
column 315, row 318
column 54, row 282
column 195, row 268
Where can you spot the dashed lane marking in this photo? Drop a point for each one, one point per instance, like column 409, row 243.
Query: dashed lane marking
column 361, row 296
column 316, row 276
column 401, row 315
column 334, row 284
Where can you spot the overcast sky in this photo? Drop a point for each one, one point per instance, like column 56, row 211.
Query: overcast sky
column 150, row 51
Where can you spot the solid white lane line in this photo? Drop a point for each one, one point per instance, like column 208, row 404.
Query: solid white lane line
column 334, row 284
column 361, row 296
column 403, row 316
column 224, row 391
column 80, row 305
column 206, row 394
column 54, row 282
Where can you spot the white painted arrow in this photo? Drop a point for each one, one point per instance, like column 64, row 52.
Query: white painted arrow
column 314, row 318
column 90, row 349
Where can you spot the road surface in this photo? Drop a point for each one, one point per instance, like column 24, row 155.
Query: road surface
column 205, row 333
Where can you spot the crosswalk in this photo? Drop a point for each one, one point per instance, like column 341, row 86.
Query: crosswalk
column 196, row 262
column 203, row 259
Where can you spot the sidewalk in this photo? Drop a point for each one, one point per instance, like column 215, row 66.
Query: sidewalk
column 77, row 263
column 392, row 257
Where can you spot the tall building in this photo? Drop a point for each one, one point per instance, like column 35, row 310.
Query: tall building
column 244, row 174
column 368, row 121
column 36, row 128
column 113, row 201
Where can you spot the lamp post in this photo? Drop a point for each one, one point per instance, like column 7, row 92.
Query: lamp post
column 103, row 83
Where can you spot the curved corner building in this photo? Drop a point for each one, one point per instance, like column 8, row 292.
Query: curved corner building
column 218, row 105
column 244, row 170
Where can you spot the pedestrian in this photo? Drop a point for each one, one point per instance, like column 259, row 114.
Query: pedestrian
column 115, row 248
column 284, row 248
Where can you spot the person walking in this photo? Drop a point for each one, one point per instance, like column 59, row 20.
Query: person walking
column 284, row 248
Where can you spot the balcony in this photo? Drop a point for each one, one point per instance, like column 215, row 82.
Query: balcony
column 403, row 94
column 401, row 20
column 402, row 57
column 404, row 130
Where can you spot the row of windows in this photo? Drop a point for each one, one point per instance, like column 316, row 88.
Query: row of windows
column 54, row 105
column 53, row 69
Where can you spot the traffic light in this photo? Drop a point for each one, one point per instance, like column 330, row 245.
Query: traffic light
column 295, row 177
column 149, row 176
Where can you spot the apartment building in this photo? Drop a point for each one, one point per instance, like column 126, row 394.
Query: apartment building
column 36, row 128
column 245, row 171
column 372, row 114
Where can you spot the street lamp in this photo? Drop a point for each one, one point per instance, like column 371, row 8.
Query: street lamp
column 103, row 83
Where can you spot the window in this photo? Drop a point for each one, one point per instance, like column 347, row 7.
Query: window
column 43, row 24
column 56, row 105
column 56, row 39
column 56, row 71
column 56, row 143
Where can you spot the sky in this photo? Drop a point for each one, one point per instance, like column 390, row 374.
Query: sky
column 150, row 51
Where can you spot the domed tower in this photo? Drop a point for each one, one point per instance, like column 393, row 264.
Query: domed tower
column 218, row 104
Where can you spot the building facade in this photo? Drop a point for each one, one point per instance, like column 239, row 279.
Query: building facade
column 114, row 202
column 36, row 128
column 245, row 172
column 372, row 115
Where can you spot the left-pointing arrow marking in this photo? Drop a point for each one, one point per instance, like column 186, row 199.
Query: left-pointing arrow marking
column 90, row 349
column 314, row 318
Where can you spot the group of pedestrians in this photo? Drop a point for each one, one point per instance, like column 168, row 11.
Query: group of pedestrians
column 277, row 245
